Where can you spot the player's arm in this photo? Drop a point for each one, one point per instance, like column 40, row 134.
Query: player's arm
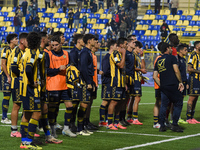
column 73, row 57
column 14, row 63
column 122, row 62
column 155, row 77
column 191, row 69
column 143, row 64
column 4, row 57
column 178, row 75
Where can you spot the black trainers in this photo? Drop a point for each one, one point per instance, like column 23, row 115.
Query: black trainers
column 123, row 123
column 72, row 127
column 176, row 128
column 162, row 129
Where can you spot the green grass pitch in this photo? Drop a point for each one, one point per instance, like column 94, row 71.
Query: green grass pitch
column 106, row 139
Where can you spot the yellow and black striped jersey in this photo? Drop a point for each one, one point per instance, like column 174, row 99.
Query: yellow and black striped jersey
column 116, row 73
column 72, row 76
column 14, row 60
column 137, row 65
column 194, row 60
column 29, row 58
column 4, row 55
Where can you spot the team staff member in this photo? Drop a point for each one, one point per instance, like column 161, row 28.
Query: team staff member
column 56, row 63
column 5, row 75
column 171, row 85
column 15, row 61
column 74, row 54
column 86, row 68
column 30, row 91
column 106, row 80
column 194, row 83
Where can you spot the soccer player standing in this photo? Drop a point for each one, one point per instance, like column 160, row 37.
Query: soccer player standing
column 171, row 85
column 5, row 75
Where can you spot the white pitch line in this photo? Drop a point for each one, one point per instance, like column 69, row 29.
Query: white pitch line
column 159, row 142
column 135, row 133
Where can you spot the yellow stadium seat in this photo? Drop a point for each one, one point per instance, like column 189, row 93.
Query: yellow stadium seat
column 11, row 14
column 185, row 23
column 179, row 23
column 9, row 9
column 4, row 9
column 103, row 32
column 64, row 20
column 48, row 25
column 56, row 29
column 195, row 28
column 154, row 22
column 176, row 17
column 1, row 18
column 154, row 33
column 139, row 27
column 195, row 18
column 89, row 20
column 171, row 27
column 46, row 20
column 173, row 32
column 62, row 30
column 24, row 24
column 93, row 21
column 54, row 10
column 95, row 26
column 170, row 17
column 188, row 28
column 79, row 30
column 100, row 11
column 81, row 15
column 179, row 33
column 103, row 16
column 54, row 25
column 49, row 10
column 198, row 34
column 192, row 12
column 62, row 15
column 160, row 22
column 185, row 12
column 152, row 17
column 40, row 14
column 9, row 29
column 7, row 24
column 167, row 12
column 2, row 24
column 101, row 26
column 41, row 19
column 148, row 32
column 56, row 15
column 145, row 27
column 162, row 12
column 146, row 17
column 109, row 16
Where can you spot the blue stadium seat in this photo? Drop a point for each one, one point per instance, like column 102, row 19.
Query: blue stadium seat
column 153, row 43
column 151, row 27
column 68, row 36
column 157, row 27
column 183, row 29
column 158, row 17
column 97, row 16
column 198, row 23
column 185, row 34
column 3, row 29
column 105, row 21
column 21, row 29
column 149, row 12
column 142, row 22
column 68, row 30
column 60, row 10
column 89, row 26
column 173, row 22
column 83, row 10
column 183, row 17
column 106, row 11
column 91, row 16
column 43, row 10
column 81, row 21
column 1, row 14
column 58, row 20
column 168, row 22
column 92, row 31
column 6, row 18
column 12, row 25
column 81, row 26
column 11, row 18
column 14, row 8
column 150, row 38
column 144, row 38
column 38, row 9
column 176, row 29
column 135, row 32
column 45, row 15
column 60, row 25
column 50, row 15
column 88, row 11
column 98, row 31
column 74, row 30
column 4, row 33
column 197, row 12
column 99, row 21
column 141, row 32
column 179, row 12
column 52, row 20
column 148, row 43
column 192, row 23
column 192, row 34
column 148, row 21
column 164, row 17
column 189, row 17
column 42, row 24
column 5, row 14
column 66, row 16
column 157, row 38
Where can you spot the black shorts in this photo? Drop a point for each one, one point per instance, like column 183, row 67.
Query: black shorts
column 185, row 89
column 15, row 92
column 118, row 93
column 75, row 94
column 31, row 103
column 137, row 88
column 130, row 90
column 56, row 97
column 106, row 92
column 85, row 94
column 4, row 85
column 157, row 93
column 43, row 97
column 194, row 86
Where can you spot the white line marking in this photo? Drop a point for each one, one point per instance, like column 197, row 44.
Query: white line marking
column 136, row 133
column 158, row 142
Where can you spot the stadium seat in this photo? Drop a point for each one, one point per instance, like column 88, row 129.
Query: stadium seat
column 93, row 21
column 150, row 38
column 60, row 25
column 95, row 26
column 149, row 12
column 101, row 26
column 192, row 23
column 109, row 16
column 46, row 20
column 41, row 19
column 197, row 12
column 6, row 18
column 167, row 12
column 58, row 20
column 11, row 14
column 21, row 29
column 11, row 18
column 103, row 16
column 65, row 25
column 160, row 22
column 170, row 17
column 141, row 32
column 198, row 34
column 185, row 23
column 56, row 15
column 106, row 11
column 148, row 32
column 49, row 10
column 92, row 31
column 60, row 10
column 195, row 28
column 195, row 18
column 40, row 14
column 105, row 21
column 192, row 12
column 189, row 17
column 54, row 10
column 158, row 17
column 14, row 8
column 146, row 17
column 5, row 14
column 157, row 27
column 99, row 21
column 152, row 17
column 162, row 12
column 188, row 28
column 9, row 29
column 171, row 27
column 164, row 17
column 151, row 27
column 103, row 32
column 42, row 24
column 83, row 10
column 4, row 9
column 64, row 20
column 89, row 26
column 179, row 23
column 155, row 22
column 7, row 24
column 91, row 16
column 148, row 22
column 88, row 11
column 48, row 25
column 97, row 16
column 179, row 12
column 176, row 17
column 145, row 27
column 52, row 20
column 1, row 18
column 62, row 30
column 168, row 22
column 98, row 31
column 50, row 15
column 45, row 15
column 54, row 25
column 179, row 33
column 185, row 34
column 173, row 22
column 9, row 9
column 62, row 15
column 185, row 12
column 56, row 29
column 68, row 30
column 176, row 29
column 100, row 11
column 23, row 24
column 144, row 38
column 142, row 22
column 183, row 17
column 79, row 30
column 138, row 27
column 154, row 33
column 198, row 23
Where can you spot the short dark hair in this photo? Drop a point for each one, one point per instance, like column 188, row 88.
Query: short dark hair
column 129, row 40
column 11, row 37
column 111, row 43
column 164, row 47
column 196, row 43
column 128, row 37
column 121, row 41
column 181, row 47
column 87, row 37
column 43, row 34
column 56, row 38
column 33, row 40
column 58, row 33
column 138, row 44
column 172, row 36
column 23, row 35
column 77, row 37
column 160, row 45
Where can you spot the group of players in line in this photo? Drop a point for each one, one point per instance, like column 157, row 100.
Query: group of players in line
column 41, row 75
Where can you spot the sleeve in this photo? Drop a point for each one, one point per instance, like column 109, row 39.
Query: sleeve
column 105, row 67
column 73, row 57
column 50, row 72
column 15, row 62
column 4, row 53
column 191, row 59
column 174, row 60
column 156, row 67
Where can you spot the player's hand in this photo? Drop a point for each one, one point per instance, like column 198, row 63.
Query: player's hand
column 94, row 88
column 181, row 87
column 62, row 67
column 101, row 72
column 35, row 85
column 89, row 87
column 187, row 86
column 141, row 53
column 144, row 71
column 9, row 79
column 126, row 87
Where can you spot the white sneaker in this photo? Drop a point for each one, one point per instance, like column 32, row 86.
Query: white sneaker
column 83, row 132
column 69, row 133
column 6, row 121
column 157, row 125
column 87, row 131
column 57, row 126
